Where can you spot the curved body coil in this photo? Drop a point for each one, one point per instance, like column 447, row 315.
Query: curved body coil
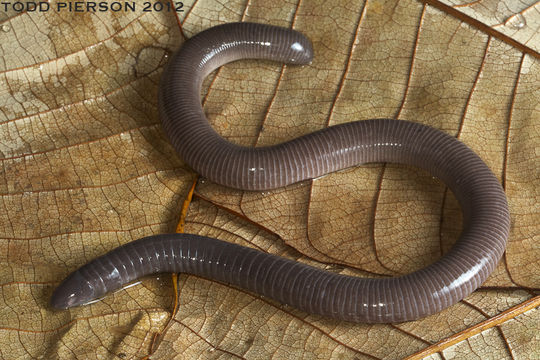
column 459, row 272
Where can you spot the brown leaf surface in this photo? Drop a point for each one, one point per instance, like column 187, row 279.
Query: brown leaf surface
column 86, row 167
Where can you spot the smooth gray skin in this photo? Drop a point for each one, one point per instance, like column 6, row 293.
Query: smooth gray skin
column 459, row 272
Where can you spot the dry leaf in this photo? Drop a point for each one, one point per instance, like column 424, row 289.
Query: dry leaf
column 86, row 167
